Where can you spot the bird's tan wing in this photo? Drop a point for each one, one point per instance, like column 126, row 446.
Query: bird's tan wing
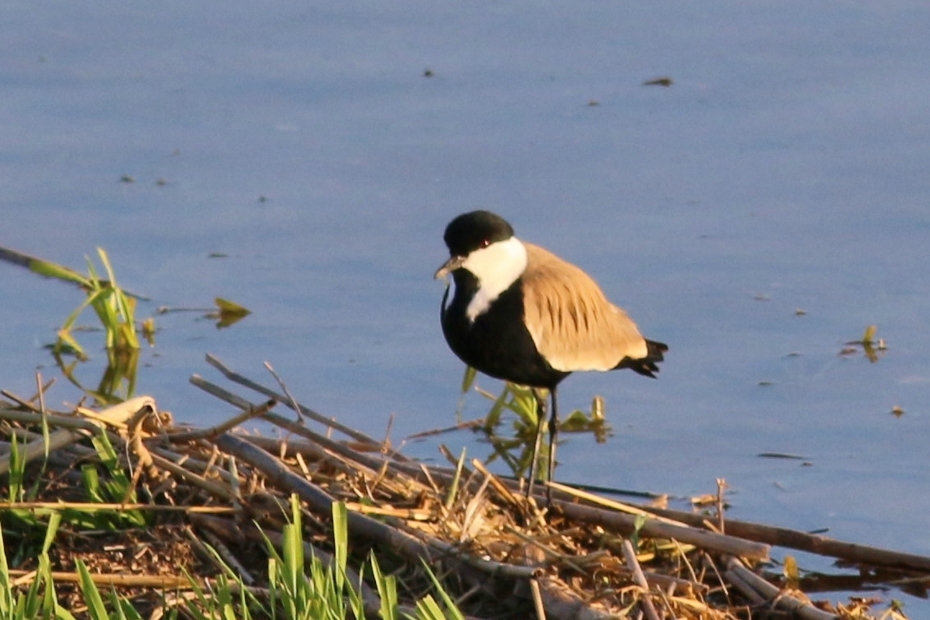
column 572, row 323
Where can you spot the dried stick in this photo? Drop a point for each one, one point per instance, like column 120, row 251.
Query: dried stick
column 372, row 463
column 626, row 524
column 813, row 543
column 63, row 457
column 214, row 488
column 54, row 420
column 219, row 429
column 116, row 580
column 28, row 403
column 737, row 582
column 40, row 447
column 320, row 501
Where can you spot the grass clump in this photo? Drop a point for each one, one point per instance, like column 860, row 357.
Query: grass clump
column 115, row 309
column 298, row 588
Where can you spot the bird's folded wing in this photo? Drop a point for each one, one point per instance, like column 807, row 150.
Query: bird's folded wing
column 572, row 323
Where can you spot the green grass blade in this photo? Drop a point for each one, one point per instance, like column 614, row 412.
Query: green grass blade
column 456, row 480
column 387, row 590
column 452, row 611
column 428, row 609
column 59, row 272
column 94, row 279
column 494, row 415
column 124, row 305
column 17, row 471
column 7, row 599
column 96, row 610
column 48, row 598
column 523, row 403
column 91, row 298
column 91, row 479
column 54, row 521
column 340, row 542
column 468, row 379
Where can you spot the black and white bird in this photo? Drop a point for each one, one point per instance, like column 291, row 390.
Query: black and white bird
column 524, row 315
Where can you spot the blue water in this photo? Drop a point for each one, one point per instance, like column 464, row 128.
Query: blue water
column 784, row 169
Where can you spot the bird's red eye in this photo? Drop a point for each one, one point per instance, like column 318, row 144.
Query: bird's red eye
column 485, row 243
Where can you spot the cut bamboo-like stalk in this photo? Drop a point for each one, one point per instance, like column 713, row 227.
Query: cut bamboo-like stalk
column 626, row 524
column 813, row 543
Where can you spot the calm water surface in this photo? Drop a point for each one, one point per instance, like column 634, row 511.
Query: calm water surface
column 785, row 169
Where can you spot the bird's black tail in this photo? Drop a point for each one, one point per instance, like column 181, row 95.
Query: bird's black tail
column 647, row 365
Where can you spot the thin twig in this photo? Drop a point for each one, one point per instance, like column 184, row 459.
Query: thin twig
column 290, row 397
column 310, row 413
column 219, row 429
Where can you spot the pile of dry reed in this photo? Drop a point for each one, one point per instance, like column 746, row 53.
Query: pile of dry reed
column 502, row 556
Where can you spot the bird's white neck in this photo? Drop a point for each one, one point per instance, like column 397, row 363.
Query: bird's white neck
column 496, row 267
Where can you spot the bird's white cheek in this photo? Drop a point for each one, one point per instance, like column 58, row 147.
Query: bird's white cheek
column 496, row 268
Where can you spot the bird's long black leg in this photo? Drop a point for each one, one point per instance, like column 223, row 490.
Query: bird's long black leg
column 540, row 425
column 553, row 434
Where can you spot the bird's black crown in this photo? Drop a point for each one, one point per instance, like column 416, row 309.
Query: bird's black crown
column 474, row 230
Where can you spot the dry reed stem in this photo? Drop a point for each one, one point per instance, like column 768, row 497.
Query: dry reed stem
column 640, row 579
column 318, row 500
column 121, row 507
column 116, row 580
column 610, row 504
column 778, row 598
column 28, row 403
column 228, row 425
column 503, row 490
column 214, row 488
column 52, row 419
column 626, row 524
column 812, row 543
column 537, row 599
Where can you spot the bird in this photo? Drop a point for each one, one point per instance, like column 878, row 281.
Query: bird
column 522, row 314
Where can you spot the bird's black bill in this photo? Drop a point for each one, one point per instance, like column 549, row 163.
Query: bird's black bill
column 450, row 265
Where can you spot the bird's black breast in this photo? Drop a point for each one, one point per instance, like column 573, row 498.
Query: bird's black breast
column 497, row 342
